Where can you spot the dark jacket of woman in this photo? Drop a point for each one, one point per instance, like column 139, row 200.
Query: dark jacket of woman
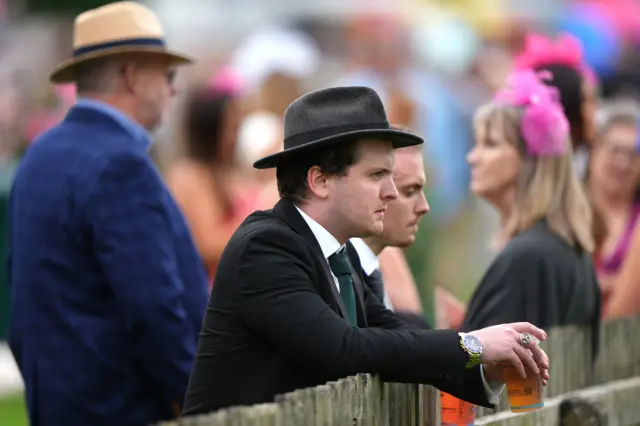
column 537, row 278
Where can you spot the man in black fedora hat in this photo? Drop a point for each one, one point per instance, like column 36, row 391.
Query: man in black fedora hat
column 288, row 310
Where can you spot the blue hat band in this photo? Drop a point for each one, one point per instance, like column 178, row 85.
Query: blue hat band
column 132, row 42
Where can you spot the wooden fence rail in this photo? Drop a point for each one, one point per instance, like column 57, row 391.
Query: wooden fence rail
column 357, row 400
column 610, row 404
column 364, row 400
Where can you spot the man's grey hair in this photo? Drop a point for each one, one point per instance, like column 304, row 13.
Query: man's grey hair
column 617, row 111
column 99, row 76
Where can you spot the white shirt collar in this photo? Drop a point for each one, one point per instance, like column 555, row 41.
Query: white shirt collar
column 328, row 243
column 368, row 259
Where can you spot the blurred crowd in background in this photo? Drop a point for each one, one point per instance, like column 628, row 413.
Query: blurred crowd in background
column 432, row 61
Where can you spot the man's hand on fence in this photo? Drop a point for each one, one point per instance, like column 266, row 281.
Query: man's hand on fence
column 508, row 342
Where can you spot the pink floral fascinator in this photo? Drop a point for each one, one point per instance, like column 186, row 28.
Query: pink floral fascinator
column 566, row 50
column 543, row 126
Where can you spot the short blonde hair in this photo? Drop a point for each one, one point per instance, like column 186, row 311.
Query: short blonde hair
column 548, row 187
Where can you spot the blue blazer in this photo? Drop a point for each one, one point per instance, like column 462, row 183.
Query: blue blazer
column 108, row 291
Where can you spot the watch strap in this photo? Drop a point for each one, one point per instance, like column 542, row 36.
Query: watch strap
column 474, row 358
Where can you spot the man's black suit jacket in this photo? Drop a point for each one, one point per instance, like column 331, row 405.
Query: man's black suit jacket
column 411, row 318
column 275, row 323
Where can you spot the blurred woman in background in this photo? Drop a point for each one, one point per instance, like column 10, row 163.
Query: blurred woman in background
column 613, row 180
column 522, row 164
column 624, row 300
column 578, row 88
column 275, row 64
column 206, row 182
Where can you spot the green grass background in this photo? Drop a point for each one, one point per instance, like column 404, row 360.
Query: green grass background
column 13, row 411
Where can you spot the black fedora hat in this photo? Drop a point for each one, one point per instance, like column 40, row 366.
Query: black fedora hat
column 332, row 115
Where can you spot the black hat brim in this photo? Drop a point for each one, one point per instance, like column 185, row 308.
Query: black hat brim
column 398, row 138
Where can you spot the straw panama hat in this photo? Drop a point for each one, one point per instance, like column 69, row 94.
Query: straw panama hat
column 118, row 27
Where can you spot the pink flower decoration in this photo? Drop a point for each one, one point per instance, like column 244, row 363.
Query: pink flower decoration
column 226, row 80
column 544, row 126
column 67, row 93
column 566, row 50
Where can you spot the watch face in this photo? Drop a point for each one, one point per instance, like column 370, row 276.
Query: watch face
column 472, row 343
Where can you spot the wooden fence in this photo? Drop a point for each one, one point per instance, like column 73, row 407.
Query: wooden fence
column 608, row 393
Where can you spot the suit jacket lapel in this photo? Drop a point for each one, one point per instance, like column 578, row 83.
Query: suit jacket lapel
column 358, row 284
column 287, row 211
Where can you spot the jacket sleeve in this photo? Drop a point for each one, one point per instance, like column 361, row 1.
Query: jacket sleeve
column 376, row 312
column 379, row 316
column 131, row 231
column 279, row 301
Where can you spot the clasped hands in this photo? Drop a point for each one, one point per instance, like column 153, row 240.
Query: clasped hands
column 508, row 343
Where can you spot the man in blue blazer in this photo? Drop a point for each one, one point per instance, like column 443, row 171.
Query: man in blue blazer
column 108, row 292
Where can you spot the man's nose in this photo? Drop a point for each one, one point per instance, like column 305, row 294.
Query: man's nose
column 422, row 207
column 389, row 191
column 623, row 159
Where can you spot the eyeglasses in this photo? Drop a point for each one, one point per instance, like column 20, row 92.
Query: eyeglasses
column 171, row 75
column 619, row 149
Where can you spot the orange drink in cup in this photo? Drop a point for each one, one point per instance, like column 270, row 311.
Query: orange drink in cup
column 456, row 412
column 524, row 394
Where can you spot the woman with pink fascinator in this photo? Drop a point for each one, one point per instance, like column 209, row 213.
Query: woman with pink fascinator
column 576, row 86
column 522, row 165
column 610, row 175
column 208, row 185
column 597, row 149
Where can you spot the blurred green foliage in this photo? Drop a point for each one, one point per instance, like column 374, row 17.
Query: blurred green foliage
column 420, row 258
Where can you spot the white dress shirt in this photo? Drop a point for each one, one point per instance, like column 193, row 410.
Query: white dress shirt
column 370, row 263
column 329, row 245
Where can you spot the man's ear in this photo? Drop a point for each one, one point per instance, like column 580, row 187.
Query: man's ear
column 130, row 77
column 317, row 182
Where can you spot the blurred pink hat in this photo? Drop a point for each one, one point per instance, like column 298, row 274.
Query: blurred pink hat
column 226, row 80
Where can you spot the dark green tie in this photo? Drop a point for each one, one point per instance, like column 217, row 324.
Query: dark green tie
column 341, row 268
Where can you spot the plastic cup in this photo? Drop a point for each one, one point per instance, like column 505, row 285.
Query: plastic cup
column 456, row 412
column 524, row 395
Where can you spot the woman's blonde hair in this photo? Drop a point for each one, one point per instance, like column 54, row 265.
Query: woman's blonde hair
column 548, row 187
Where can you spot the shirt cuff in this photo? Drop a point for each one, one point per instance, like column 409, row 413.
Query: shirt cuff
column 493, row 390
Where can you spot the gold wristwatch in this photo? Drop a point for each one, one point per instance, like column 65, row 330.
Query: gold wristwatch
column 473, row 347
